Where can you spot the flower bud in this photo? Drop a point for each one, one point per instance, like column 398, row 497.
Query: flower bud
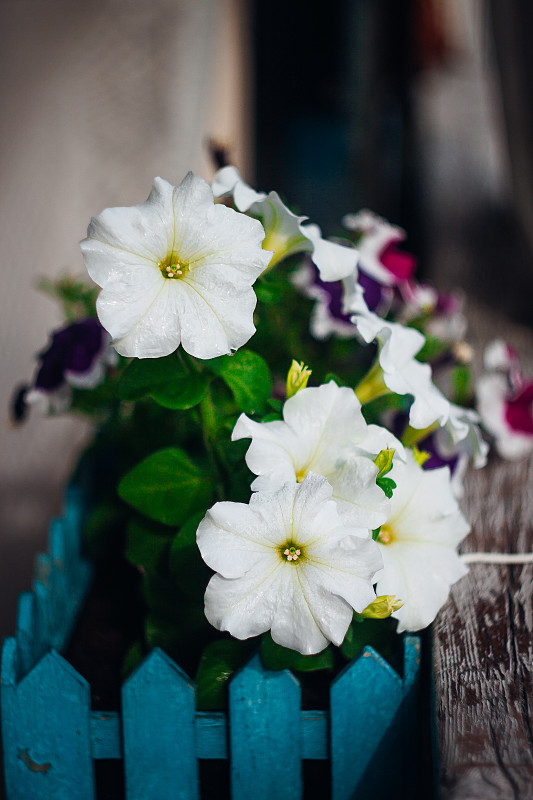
column 297, row 378
column 382, row 607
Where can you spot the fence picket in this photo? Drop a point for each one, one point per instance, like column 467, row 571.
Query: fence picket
column 158, row 715
column 366, row 722
column 45, row 729
column 411, row 743
column 264, row 709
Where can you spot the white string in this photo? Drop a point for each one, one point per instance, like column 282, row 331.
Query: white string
column 497, row 558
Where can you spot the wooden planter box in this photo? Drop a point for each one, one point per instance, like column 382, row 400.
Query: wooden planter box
column 51, row 737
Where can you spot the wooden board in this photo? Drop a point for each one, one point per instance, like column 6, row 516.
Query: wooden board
column 482, row 640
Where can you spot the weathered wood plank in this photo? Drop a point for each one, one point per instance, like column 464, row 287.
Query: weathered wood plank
column 45, row 730
column 158, row 731
column 265, row 715
column 482, row 639
column 366, row 702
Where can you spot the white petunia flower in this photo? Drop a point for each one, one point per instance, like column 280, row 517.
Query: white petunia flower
column 287, row 563
column 228, row 181
column 286, row 233
column 418, row 543
column 176, row 269
column 320, row 431
column 462, row 435
column 402, row 373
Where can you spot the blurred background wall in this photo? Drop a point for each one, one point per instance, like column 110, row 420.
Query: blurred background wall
column 420, row 110
column 96, row 99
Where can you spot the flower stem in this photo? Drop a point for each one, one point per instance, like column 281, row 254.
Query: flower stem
column 372, row 385
column 412, row 436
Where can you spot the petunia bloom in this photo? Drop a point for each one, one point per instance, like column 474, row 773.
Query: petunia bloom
column 418, row 543
column 321, row 432
column 287, row 563
column 377, row 242
column 76, row 357
column 286, row 233
column 177, row 269
column 400, row 371
column 507, row 414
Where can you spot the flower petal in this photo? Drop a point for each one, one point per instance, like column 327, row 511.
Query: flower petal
column 334, row 261
column 360, row 501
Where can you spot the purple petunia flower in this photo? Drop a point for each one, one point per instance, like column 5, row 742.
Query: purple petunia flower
column 76, row 357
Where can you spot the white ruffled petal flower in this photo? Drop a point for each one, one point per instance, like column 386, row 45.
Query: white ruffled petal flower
column 418, row 543
column 285, row 232
column 177, row 269
column 287, row 563
column 402, row 373
column 462, row 435
column 321, row 432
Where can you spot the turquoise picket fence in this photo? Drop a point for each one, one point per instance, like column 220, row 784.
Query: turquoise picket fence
column 51, row 737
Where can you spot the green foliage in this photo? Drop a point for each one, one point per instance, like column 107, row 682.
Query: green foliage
column 377, row 633
column 145, row 375
column 387, row 485
column 146, row 542
column 433, row 348
column 185, row 562
column 248, row 377
column 383, row 462
column 462, row 385
column 102, row 528
column 77, row 298
column 276, row 657
column 219, row 661
column 167, row 487
column 166, row 380
column 133, row 658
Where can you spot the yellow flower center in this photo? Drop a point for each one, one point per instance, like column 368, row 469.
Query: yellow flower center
column 291, row 552
column 300, row 474
column 386, row 535
column 172, row 267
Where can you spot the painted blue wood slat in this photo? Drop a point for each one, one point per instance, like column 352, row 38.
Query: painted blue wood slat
column 106, row 736
column 76, row 501
column 264, row 710
column 366, row 722
column 158, row 708
column 45, row 730
column 411, row 743
column 29, row 642
column 211, row 734
column 314, row 733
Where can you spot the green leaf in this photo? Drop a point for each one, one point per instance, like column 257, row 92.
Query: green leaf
column 377, row 633
column 387, row 485
column 276, row 657
column 103, row 528
column 167, row 486
column 380, row 634
column 143, row 376
column 144, row 544
column 461, row 380
column 185, row 562
column 181, row 394
column 269, row 293
column 219, row 661
column 248, row 377
column 132, row 659
column 77, row 298
column 432, row 349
